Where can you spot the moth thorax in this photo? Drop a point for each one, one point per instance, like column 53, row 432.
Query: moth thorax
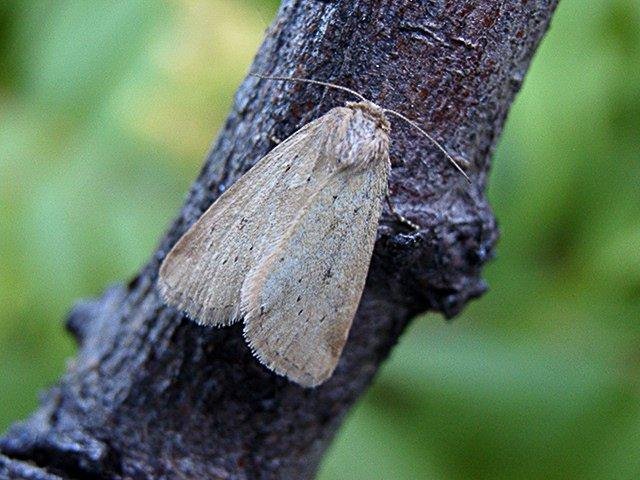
column 366, row 136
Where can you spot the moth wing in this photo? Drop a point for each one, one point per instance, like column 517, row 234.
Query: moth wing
column 203, row 273
column 300, row 301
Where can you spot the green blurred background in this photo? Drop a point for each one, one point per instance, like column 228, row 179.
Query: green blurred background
column 106, row 113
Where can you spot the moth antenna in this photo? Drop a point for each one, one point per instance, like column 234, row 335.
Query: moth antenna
column 433, row 140
column 361, row 97
column 315, row 82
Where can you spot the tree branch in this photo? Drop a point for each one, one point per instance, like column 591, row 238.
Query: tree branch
column 153, row 395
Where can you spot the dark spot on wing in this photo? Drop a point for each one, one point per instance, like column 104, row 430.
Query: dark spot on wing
column 328, row 273
column 300, row 312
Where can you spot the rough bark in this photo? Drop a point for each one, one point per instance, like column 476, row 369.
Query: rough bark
column 152, row 395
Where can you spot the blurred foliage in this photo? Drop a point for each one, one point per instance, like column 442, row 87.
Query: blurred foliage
column 106, row 112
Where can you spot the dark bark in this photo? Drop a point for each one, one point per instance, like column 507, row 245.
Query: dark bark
column 153, row 395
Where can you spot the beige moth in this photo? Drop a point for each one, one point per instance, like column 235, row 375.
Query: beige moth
column 287, row 247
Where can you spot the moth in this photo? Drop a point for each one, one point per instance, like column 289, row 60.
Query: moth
column 287, row 247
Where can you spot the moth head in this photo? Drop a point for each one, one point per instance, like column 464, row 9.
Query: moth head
column 373, row 111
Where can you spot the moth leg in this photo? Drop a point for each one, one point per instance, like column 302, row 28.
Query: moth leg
column 399, row 217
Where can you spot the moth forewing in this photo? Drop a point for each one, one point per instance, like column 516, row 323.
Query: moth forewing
column 203, row 273
column 299, row 302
